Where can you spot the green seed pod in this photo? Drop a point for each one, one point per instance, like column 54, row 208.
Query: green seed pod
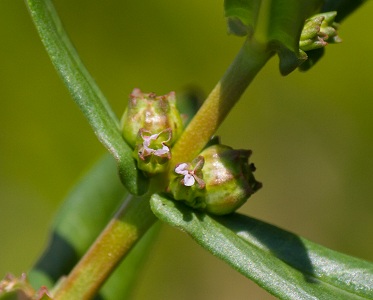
column 151, row 124
column 151, row 113
column 227, row 181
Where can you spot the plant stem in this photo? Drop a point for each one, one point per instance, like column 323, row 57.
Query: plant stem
column 133, row 219
column 251, row 58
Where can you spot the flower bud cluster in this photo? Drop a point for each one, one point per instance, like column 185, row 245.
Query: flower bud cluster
column 318, row 31
column 151, row 124
column 218, row 181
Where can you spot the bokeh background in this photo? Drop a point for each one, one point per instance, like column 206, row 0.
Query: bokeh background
column 311, row 133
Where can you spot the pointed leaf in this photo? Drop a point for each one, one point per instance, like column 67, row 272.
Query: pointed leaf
column 284, row 264
column 84, row 91
column 241, row 16
column 286, row 21
column 276, row 24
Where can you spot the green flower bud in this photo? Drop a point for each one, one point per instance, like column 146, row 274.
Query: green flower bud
column 152, row 113
column 151, row 124
column 226, row 183
column 318, row 31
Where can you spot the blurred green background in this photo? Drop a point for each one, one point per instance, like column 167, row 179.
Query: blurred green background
column 311, row 133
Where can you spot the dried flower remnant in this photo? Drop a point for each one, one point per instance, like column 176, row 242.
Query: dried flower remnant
column 152, row 152
column 12, row 287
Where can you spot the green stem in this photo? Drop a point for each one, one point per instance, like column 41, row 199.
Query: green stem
column 249, row 61
column 130, row 223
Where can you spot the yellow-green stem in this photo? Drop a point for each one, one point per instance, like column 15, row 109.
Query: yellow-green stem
column 251, row 58
column 131, row 222
column 135, row 217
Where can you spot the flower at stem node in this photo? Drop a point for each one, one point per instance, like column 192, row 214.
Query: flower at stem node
column 150, row 125
column 151, row 152
column 188, row 184
column 152, row 113
column 218, row 181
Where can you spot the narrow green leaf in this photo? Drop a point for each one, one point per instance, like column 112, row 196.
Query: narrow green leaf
column 85, row 92
column 241, row 16
column 275, row 24
column 286, row 21
column 284, row 264
column 82, row 216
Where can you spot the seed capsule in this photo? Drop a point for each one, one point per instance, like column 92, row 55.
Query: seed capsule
column 151, row 124
column 152, row 113
column 228, row 180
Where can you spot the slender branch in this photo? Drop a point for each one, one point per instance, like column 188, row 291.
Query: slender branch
column 132, row 220
column 251, row 58
column 135, row 216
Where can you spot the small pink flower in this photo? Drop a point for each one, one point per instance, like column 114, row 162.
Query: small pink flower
column 191, row 175
column 153, row 145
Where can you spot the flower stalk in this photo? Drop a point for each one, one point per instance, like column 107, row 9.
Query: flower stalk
column 249, row 61
column 132, row 221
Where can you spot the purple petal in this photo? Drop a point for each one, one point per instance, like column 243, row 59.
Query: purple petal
column 189, row 180
column 182, row 169
column 163, row 151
